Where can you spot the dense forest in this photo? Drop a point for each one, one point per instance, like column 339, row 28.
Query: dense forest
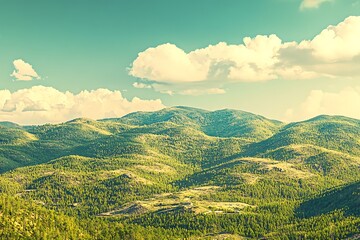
column 181, row 173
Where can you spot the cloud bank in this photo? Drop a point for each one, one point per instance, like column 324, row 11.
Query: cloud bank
column 39, row 104
column 333, row 53
column 24, row 71
column 345, row 102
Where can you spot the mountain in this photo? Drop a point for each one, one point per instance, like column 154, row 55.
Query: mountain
column 182, row 173
column 38, row 144
column 222, row 123
column 10, row 125
column 330, row 132
column 328, row 144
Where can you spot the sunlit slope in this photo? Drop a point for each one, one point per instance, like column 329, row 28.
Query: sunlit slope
column 222, row 123
column 22, row 219
column 186, row 170
column 330, row 132
column 184, row 138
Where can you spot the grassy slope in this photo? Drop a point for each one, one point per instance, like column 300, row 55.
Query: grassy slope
column 21, row 219
column 91, row 167
column 330, row 132
column 184, row 127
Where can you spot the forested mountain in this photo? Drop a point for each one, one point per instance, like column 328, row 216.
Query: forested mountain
column 222, row 123
column 181, row 173
column 330, row 132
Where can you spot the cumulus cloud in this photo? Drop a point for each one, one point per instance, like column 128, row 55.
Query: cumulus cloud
column 24, row 71
column 345, row 102
column 39, row 104
column 168, row 63
column 4, row 96
column 333, row 53
column 312, row 3
column 336, row 43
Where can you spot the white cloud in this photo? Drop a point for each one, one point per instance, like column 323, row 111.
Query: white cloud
column 167, row 63
column 337, row 43
column 141, row 85
column 197, row 92
column 345, row 102
column 4, row 96
column 41, row 104
column 333, row 53
column 312, row 3
column 170, row 64
column 24, row 71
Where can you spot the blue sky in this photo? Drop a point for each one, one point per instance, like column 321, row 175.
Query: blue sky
column 86, row 45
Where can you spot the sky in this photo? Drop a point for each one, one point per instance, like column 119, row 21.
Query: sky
column 284, row 59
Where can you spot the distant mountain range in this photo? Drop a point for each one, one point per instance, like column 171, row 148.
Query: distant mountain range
column 187, row 172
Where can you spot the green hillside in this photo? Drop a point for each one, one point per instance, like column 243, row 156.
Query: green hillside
column 20, row 219
column 222, row 123
column 345, row 198
column 331, row 132
column 181, row 173
column 10, row 125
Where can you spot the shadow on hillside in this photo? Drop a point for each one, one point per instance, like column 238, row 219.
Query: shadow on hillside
column 346, row 198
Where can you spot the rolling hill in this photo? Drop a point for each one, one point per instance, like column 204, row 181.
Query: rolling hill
column 185, row 172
